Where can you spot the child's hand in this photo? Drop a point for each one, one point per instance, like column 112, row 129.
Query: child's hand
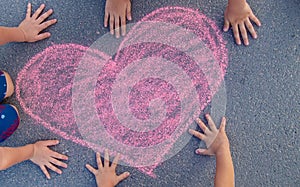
column 215, row 139
column 239, row 16
column 45, row 157
column 116, row 12
column 106, row 175
column 31, row 26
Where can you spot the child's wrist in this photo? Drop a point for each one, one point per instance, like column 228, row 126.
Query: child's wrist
column 22, row 34
column 31, row 150
column 223, row 150
column 99, row 185
column 237, row 3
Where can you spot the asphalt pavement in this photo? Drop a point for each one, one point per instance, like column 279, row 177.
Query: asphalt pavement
column 262, row 84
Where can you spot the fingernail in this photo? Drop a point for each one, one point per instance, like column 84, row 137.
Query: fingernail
column 190, row 131
column 199, row 151
column 127, row 173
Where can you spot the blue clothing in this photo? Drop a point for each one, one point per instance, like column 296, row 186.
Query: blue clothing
column 3, row 86
column 9, row 121
column 9, row 118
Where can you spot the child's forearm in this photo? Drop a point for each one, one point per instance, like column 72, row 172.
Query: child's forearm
column 11, row 34
column 10, row 156
column 224, row 169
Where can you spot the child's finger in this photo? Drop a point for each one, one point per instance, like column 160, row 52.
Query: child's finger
column 202, row 126
column 123, row 25
column 244, row 33
column 250, row 28
column 197, row 134
column 236, row 34
column 58, row 155
column 106, row 19
column 47, row 24
column 58, row 162
column 115, row 161
column 255, row 19
column 53, row 168
column 91, row 169
column 28, row 13
column 226, row 25
column 106, row 158
column 223, row 124
column 117, row 26
column 128, row 11
column 123, row 176
column 44, row 16
column 45, row 171
column 111, row 24
column 38, row 11
column 50, row 142
column 203, row 152
column 211, row 123
column 42, row 36
column 99, row 162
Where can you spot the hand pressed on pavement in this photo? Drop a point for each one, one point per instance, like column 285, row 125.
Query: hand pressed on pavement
column 106, row 175
column 33, row 25
column 215, row 139
column 46, row 158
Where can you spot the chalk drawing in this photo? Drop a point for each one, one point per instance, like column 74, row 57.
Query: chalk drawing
column 138, row 99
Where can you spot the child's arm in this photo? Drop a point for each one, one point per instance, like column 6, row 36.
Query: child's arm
column 239, row 15
column 11, row 34
column 10, row 156
column 106, row 175
column 38, row 153
column 217, row 144
column 29, row 29
column 224, row 169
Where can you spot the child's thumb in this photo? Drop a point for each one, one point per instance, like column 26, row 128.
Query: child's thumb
column 226, row 25
column 202, row 151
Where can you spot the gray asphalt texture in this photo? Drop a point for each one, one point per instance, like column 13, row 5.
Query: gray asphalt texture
column 263, row 98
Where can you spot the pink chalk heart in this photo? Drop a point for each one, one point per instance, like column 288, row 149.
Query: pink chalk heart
column 139, row 99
